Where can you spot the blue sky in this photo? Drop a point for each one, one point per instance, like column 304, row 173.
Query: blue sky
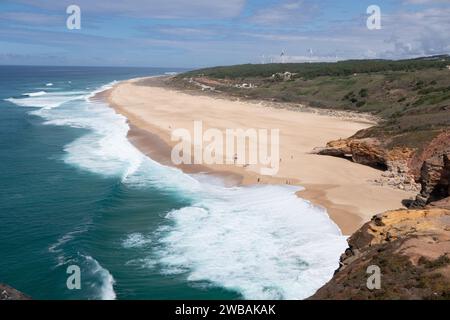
column 197, row 33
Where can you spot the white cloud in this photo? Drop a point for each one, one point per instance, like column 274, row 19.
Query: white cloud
column 423, row 32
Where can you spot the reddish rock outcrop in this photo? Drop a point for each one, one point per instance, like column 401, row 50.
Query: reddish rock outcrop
column 435, row 180
column 364, row 151
column 8, row 293
column 404, row 167
column 369, row 151
column 411, row 248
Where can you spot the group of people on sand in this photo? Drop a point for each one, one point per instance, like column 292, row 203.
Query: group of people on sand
column 259, row 179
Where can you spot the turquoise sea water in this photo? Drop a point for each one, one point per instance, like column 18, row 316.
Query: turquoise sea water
column 74, row 191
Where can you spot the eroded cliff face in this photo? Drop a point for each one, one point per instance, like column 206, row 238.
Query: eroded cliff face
column 370, row 151
column 412, row 250
column 435, row 180
column 425, row 170
column 364, row 151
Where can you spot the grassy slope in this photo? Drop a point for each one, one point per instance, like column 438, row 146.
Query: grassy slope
column 412, row 96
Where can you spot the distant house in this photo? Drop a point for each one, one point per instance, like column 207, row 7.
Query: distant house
column 245, row 86
column 286, row 76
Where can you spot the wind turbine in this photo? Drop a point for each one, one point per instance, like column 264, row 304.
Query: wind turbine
column 310, row 53
column 263, row 59
column 282, row 56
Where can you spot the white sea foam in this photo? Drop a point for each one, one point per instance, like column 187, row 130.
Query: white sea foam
column 35, row 94
column 100, row 279
column 261, row 241
column 101, row 89
column 49, row 84
column 105, row 150
column 57, row 247
column 136, row 240
column 47, row 100
column 105, row 290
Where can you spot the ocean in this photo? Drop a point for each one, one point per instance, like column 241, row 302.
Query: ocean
column 74, row 191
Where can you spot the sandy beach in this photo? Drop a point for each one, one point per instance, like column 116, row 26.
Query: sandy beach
column 341, row 186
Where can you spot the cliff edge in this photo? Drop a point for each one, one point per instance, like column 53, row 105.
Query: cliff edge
column 411, row 250
column 8, row 293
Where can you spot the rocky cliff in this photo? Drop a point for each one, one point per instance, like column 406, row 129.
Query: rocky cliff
column 394, row 162
column 411, row 248
column 434, row 179
column 8, row 293
column 425, row 169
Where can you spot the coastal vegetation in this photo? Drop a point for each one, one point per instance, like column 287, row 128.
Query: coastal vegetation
column 412, row 97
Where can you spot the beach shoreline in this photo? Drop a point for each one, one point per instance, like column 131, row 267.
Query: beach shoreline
column 340, row 186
